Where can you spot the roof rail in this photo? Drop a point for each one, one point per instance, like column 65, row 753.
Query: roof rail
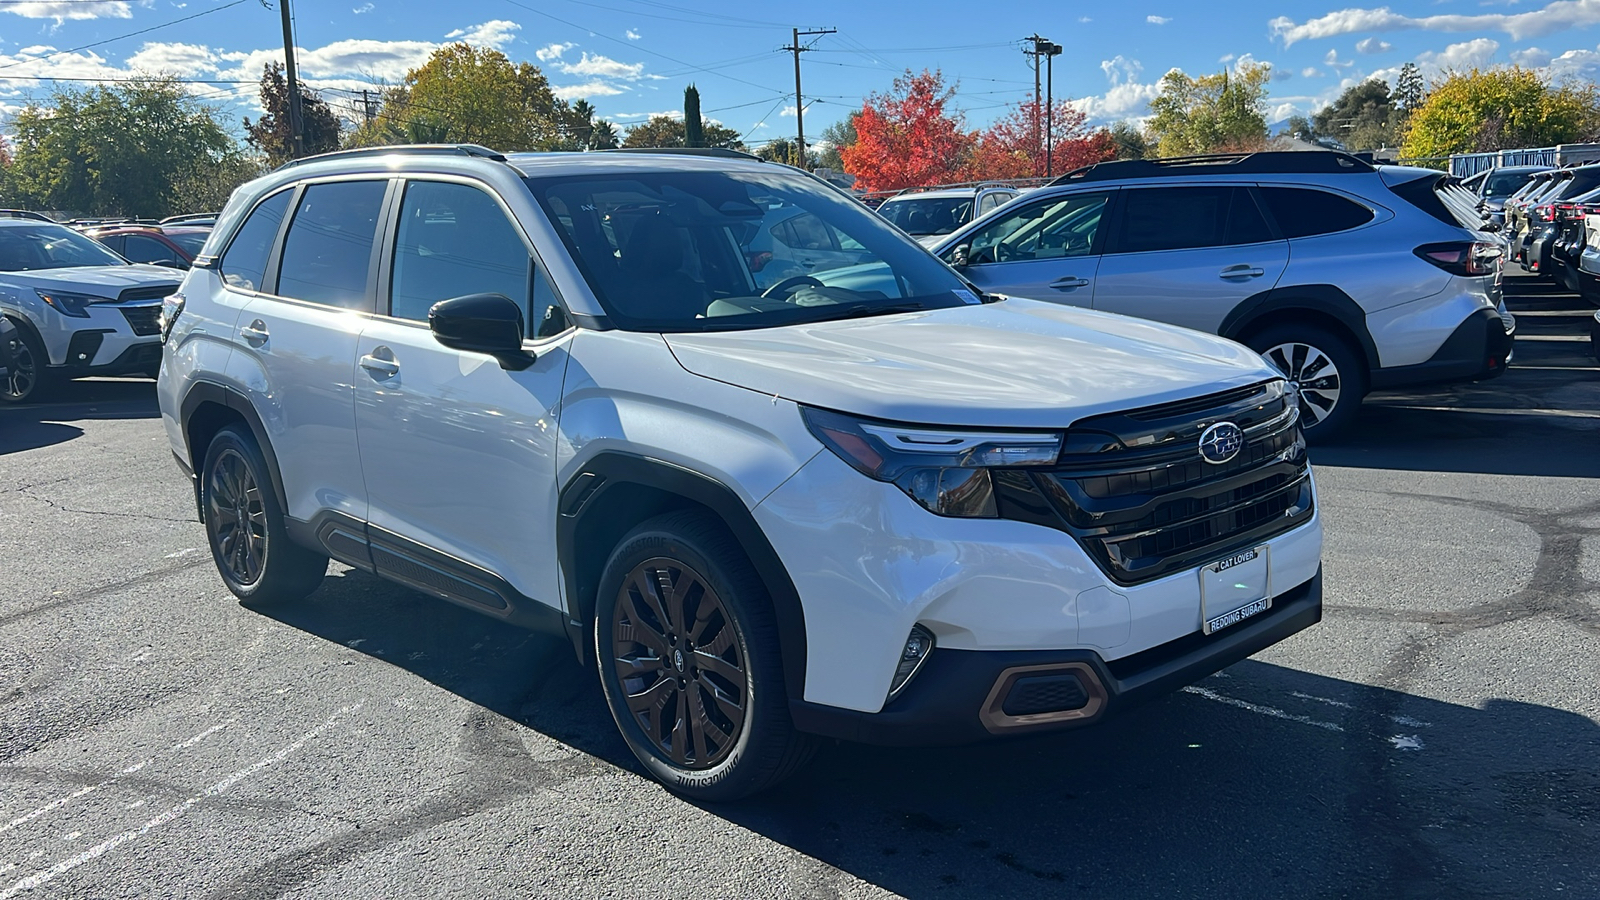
column 722, row 152
column 402, row 150
column 1265, row 162
column 24, row 214
column 189, row 217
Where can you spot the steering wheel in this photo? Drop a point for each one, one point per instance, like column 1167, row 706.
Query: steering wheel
column 788, row 285
column 1003, row 252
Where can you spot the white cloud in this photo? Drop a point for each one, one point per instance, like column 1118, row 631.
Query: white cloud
column 1227, row 58
column 1084, row 20
column 1578, row 64
column 1373, row 45
column 62, row 10
column 552, row 51
column 1157, row 20
column 1469, row 55
column 363, row 9
column 1332, row 59
column 1534, row 58
column 1283, row 111
column 496, row 34
column 187, row 60
column 600, row 66
column 789, row 111
column 1127, row 97
column 1310, row 72
column 1554, row 17
column 632, row 35
column 585, row 91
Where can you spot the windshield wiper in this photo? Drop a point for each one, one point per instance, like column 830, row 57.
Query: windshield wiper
column 859, row 312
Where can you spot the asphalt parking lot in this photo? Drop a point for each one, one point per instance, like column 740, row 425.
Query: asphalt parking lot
column 1438, row 735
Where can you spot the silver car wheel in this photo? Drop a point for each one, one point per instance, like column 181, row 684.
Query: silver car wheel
column 1314, row 372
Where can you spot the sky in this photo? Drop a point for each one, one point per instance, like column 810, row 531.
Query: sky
column 632, row 58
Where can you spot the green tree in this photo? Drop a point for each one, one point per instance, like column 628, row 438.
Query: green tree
column 474, row 95
column 1409, row 91
column 666, row 131
column 1212, row 113
column 1362, row 118
column 136, row 148
column 1129, row 140
column 786, row 151
column 604, row 136
column 694, row 133
column 835, row 138
column 1500, row 108
column 270, row 134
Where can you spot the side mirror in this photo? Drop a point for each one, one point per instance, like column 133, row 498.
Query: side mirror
column 482, row 323
column 961, row 256
column 1491, row 226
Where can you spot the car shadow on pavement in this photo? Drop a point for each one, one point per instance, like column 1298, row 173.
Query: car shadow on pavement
column 1262, row 781
column 29, row 426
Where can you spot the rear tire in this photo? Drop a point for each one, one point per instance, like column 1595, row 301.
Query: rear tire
column 245, row 525
column 1331, row 374
column 29, row 379
column 687, row 647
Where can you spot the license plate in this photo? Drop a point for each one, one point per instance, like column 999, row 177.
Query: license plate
column 1234, row 589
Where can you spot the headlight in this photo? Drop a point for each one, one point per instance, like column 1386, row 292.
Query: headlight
column 945, row 470
column 70, row 304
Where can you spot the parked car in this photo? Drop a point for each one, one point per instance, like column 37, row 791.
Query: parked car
column 1516, row 205
column 1346, row 276
column 865, row 503
column 792, row 242
column 78, row 308
column 173, row 246
column 1535, row 214
column 928, row 214
column 8, row 339
column 24, row 214
column 1499, row 184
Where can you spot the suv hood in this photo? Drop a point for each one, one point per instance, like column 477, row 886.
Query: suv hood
column 108, row 280
column 1014, row 364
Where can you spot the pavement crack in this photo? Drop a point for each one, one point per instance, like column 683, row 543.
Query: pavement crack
column 27, row 491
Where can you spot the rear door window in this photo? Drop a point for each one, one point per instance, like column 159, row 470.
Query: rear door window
column 245, row 263
column 1184, row 218
column 1303, row 212
column 327, row 255
column 142, row 249
column 1057, row 228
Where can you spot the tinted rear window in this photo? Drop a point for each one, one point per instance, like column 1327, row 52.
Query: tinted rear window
column 328, row 253
column 1303, row 212
column 1183, row 218
column 246, row 260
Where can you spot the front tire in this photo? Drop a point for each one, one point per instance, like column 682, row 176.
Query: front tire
column 687, row 647
column 1331, row 375
column 245, row 525
column 29, row 378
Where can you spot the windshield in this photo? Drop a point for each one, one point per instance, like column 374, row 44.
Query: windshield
column 928, row 215
column 704, row 251
column 24, row 247
column 1504, row 184
column 190, row 241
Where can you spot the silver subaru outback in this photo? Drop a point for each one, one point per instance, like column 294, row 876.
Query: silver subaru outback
column 1347, row 276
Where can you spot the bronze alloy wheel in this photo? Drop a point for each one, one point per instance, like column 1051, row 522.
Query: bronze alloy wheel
column 678, row 660
column 236, row 517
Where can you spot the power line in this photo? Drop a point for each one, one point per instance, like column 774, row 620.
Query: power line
column 120, row 37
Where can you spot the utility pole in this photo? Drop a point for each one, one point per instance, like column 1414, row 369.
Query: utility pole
column 296, row 132
column 366, row 106
column 799, row 106
column 1051, row 51
column 1036, row 52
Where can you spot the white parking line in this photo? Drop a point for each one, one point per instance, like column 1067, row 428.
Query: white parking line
column 1242, row 704
column 106, row 846
column 63, row 801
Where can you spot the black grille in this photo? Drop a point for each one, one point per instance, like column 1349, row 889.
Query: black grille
column 1134, row 491
column 1045, row 693
column 154, row 292
column 144, row 320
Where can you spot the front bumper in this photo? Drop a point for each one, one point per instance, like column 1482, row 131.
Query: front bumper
column 869, row 564
column 961, row 696
column 115, row 339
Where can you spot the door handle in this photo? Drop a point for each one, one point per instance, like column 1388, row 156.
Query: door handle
column 1068, row 283
column 254, row 334
column 381, row 366
column 1242, row 272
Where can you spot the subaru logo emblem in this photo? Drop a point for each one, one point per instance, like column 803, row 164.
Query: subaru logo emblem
column 677, row 659
column 1221, row 442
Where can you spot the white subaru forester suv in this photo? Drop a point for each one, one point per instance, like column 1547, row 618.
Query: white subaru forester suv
column 866, row 503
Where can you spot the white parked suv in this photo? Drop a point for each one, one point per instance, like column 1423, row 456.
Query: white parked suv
column 75, row 308
column 867, row 503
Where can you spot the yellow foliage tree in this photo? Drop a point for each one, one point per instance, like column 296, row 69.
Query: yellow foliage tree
column 1497, row 109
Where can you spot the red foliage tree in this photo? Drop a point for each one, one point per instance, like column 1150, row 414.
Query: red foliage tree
column 906, row 137
column 1014, row 146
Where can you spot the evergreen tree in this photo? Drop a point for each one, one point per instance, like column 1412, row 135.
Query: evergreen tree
column 694, row 134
